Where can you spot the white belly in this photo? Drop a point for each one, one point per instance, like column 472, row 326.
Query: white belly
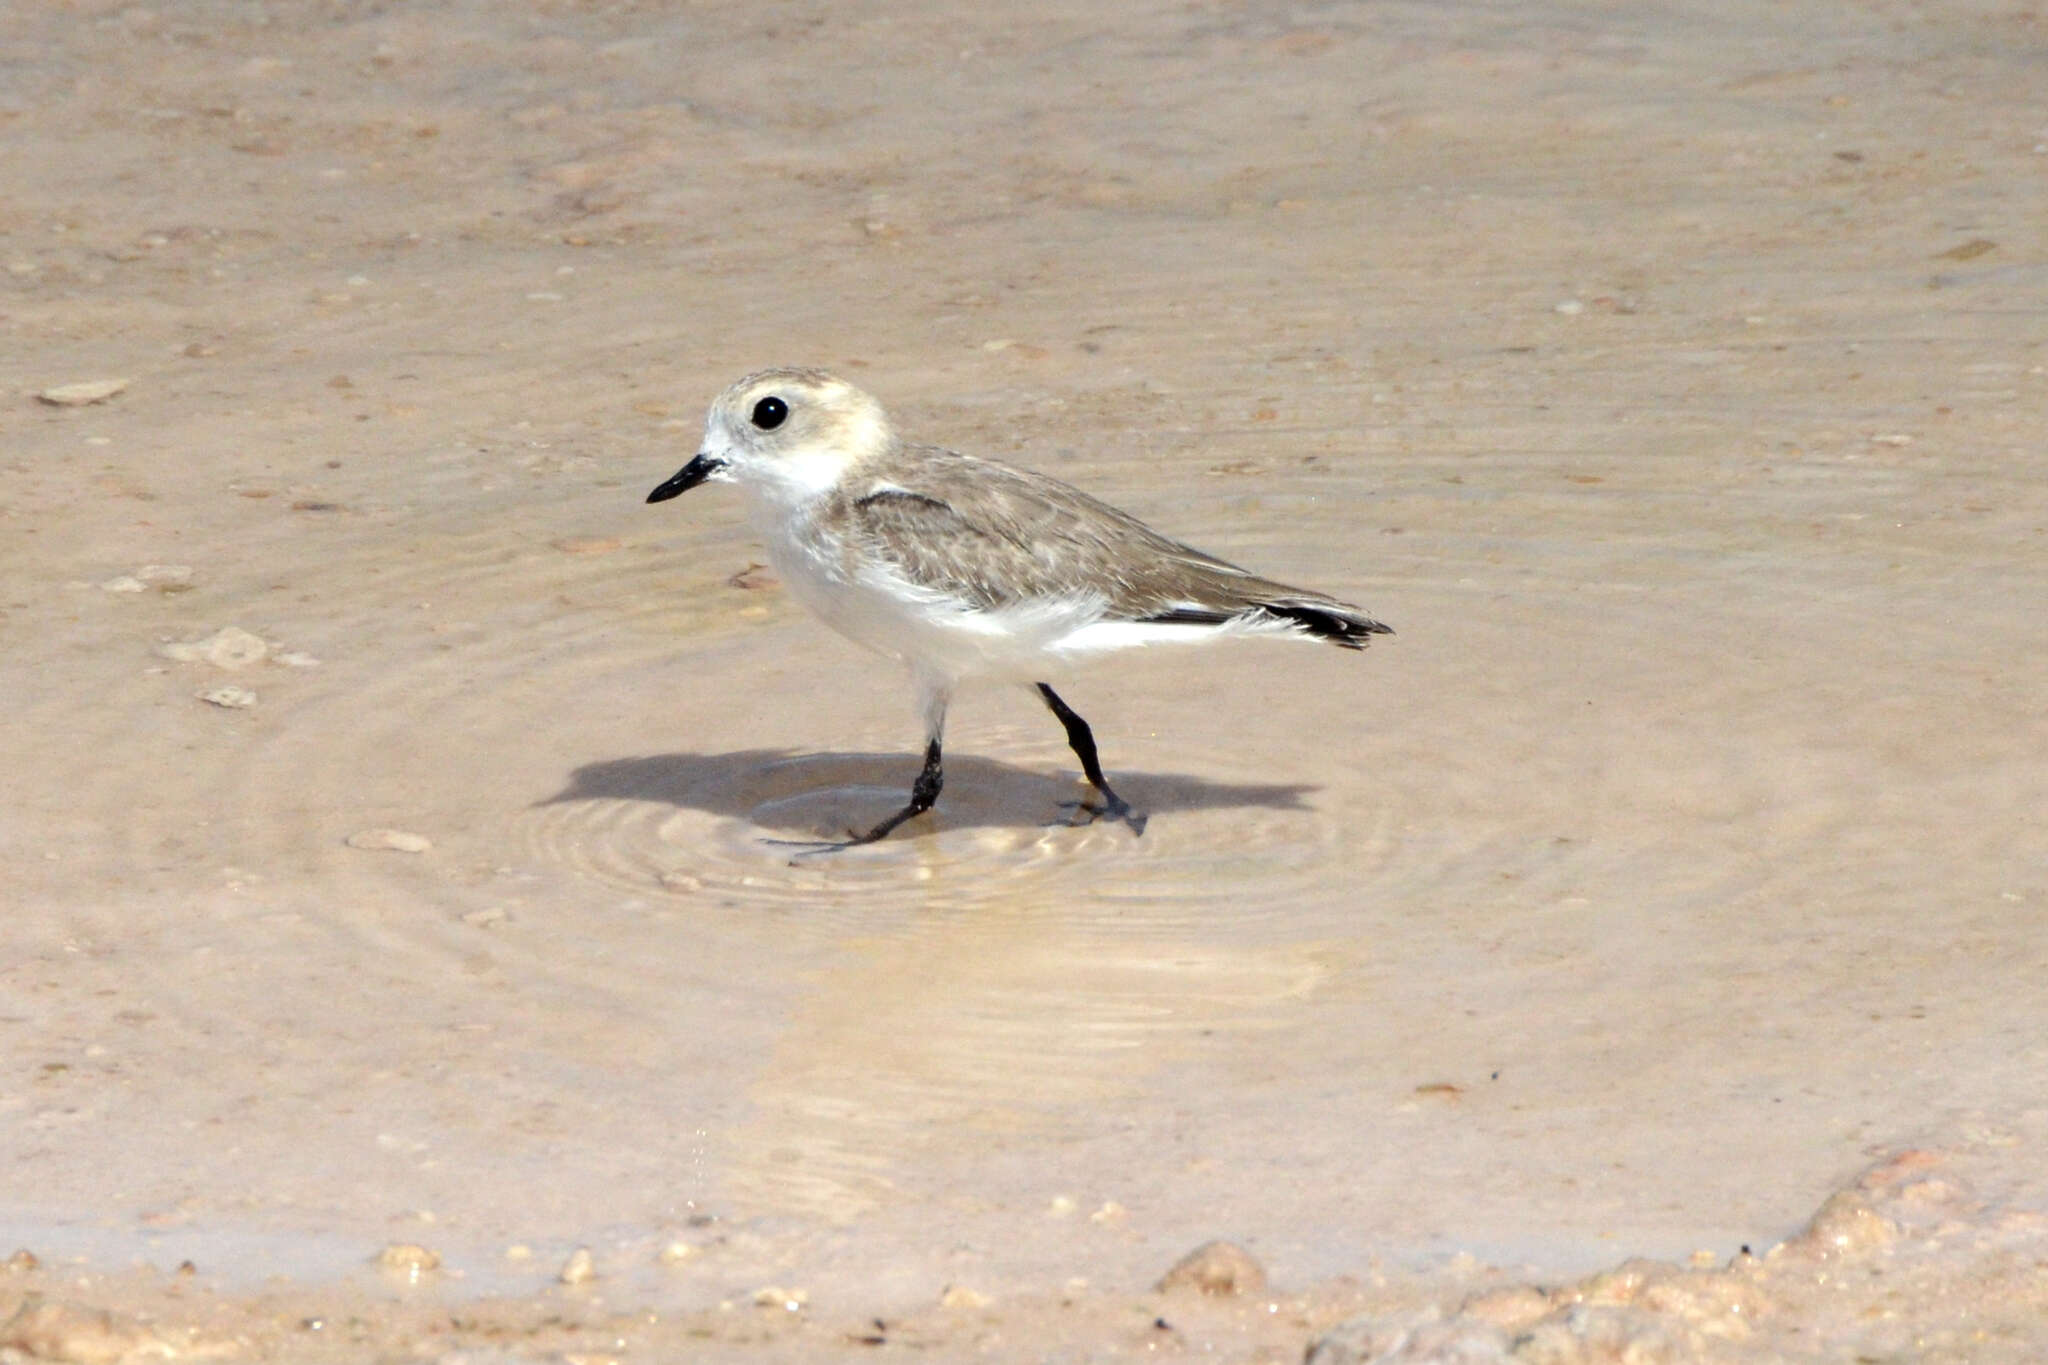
column 929, row 631
column 943, row 636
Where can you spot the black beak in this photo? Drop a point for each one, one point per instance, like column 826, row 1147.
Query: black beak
column 688, row 477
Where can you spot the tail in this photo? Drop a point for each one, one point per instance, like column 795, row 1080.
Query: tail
column 1331, row 621
column 1319, row 619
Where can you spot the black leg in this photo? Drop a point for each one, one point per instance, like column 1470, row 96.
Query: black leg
column 923, row 794
column 1082, row 741
column 934, row 693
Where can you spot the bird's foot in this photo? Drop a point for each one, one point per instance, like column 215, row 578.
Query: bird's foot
column 1111, row 807
column 807, row 848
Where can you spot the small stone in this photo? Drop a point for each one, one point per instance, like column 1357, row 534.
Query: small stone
column 1512, row 1310
column 1624, row 1284
column 1061, row 1206
column 390, row 841
column 22, row 1262
column 82, row 393
column 579, row 1268
column 519, row 1251
column 1220, row 1268
column 1570, row 307
column 228, row 698
column 297, row 658
column 775, row 1296
column 1110, row 1212
column 49, row 1330
column 958, row 1296
column 165, row 573
column 1846, row 1225
column 125, row 583
column 675, row 879
column 1422, row 1338
column 230, row 647
column 1968, row 251
column 676, row 1252
column 408, row 1261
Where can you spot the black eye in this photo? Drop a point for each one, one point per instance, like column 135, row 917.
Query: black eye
column 769, row 412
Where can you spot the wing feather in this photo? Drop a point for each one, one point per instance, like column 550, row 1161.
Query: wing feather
column 994, row 536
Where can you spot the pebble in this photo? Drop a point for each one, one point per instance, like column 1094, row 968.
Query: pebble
column 675, row 879
column 408, row 1261
column 676, row 1252
column 229, row 698
column 960, row 1296
column 1420, row 1339
column 1512, row 1309
column 125, row 583
column 390, row 840
column 21, row 1262
column 52, row 1330
column 230, row 647
column 775, row 1296
column 1846, row 1225
column 1220, row 1268
column 83, row 392
column 579, row 1268
column 586, row 545
column 1968, row 251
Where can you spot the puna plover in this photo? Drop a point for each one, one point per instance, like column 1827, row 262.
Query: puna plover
column 969, row 570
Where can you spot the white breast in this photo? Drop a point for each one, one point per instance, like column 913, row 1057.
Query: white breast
column 871, row 604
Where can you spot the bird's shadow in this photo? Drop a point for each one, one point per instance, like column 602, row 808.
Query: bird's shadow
column 782, row 787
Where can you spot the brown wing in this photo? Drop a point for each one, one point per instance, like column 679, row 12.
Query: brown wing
column 992, row 535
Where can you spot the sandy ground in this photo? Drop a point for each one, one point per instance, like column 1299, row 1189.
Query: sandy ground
column 384, row 784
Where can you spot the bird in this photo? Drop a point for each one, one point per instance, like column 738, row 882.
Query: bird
column 970, row 570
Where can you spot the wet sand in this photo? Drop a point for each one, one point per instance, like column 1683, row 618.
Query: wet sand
column 385, row 784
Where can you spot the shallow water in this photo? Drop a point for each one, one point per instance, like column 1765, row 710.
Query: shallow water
column 1681, row 853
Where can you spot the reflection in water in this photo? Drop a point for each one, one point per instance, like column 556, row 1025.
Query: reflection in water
column 972, row 1029
column 1001, row 976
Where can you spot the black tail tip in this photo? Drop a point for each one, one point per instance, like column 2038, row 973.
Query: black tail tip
column 1345, row 629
